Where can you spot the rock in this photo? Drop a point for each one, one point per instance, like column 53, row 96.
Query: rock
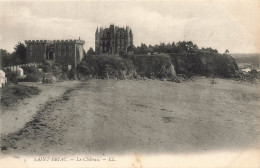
column 49, row 78
column 63, row 76
column 205, row 64
column 3, row 148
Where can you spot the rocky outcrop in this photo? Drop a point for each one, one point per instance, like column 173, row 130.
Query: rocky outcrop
column 203, row 63
column 154, row 66
column 159, row 66
column 135, row 66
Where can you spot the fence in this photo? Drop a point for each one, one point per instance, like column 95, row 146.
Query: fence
column 16, row 67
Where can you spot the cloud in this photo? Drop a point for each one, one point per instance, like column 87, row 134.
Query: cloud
column 208, row 24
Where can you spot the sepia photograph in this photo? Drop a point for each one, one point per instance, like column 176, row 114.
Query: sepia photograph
column 131, row 84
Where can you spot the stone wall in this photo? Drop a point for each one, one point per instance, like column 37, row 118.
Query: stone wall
column 64, row 52
column 35, row 50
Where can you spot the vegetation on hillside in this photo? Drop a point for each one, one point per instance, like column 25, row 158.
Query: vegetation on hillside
column 179, row 47
column 156, row 61
column 104, row 66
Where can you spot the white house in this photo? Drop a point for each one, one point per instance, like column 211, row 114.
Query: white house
column 3, row 79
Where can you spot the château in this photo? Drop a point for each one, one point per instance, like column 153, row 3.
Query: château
column 113, row 39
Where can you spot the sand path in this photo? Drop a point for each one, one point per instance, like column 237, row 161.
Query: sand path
column 14, row 118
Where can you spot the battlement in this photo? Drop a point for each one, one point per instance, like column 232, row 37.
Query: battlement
column 37, row 41
column 54, row 41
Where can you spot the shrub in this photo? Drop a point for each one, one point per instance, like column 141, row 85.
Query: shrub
column 72, row 75
column 57, row 70
column 29, row 70
column 30, row 78
column 84, row 68
column 47, row 66
column 50, row 80
column 11, row 76
column 63, row 76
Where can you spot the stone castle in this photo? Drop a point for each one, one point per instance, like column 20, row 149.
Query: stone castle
column 64, row 52
column 113, row 39
column 110, row 40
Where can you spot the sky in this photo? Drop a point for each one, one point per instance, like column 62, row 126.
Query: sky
column 232, row 25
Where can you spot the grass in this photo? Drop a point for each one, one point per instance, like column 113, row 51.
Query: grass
column 10, row 95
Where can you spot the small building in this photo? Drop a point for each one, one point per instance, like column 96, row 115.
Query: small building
column 3, row 79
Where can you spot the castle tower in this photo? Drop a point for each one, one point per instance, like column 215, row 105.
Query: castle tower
column 113, row 39
column 97, row 41
column 131, row 37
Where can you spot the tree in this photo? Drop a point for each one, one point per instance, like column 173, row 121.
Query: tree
column 130, row 48
column 226, row 52
column 143, row 49
column 162, row 48
column 209, row 49
column 174, row 48
column 150, row 49
column 169, row 48
column 90, row 51
column 20, row 53
column 7, row 59
column 186, row 47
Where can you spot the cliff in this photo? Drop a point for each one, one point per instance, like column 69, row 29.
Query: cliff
column 160, row 66
column 204, row 63
column 135, row 66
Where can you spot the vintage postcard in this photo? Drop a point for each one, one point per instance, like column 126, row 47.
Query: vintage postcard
column 131, row 84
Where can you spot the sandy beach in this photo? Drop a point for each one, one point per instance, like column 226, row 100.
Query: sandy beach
column 128, row 116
